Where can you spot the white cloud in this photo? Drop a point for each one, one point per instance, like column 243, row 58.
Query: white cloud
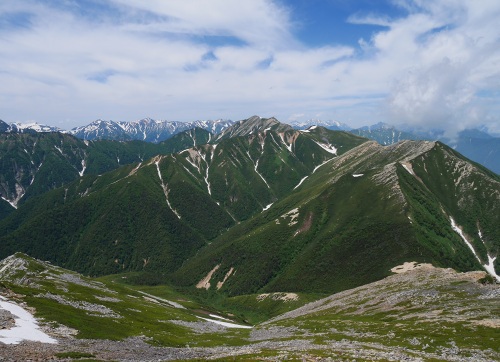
column 191, row 59
column 258, row 22
column 453, row 63
column 437, row 94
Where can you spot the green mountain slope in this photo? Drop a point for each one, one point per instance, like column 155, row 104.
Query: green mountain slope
column 127, row 225
column 156, row 214
column 270, row 209
column 33, row 163
column 446, row 191
column 349, row 222
column 55, row 158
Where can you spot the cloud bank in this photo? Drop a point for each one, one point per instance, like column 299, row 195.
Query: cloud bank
column 66, row 63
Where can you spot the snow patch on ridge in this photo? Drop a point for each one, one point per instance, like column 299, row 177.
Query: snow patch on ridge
column 490, row 267
column 10, row 202
column 300, row 183
column 26, row 327
column 190, row 162
column 256, row 164
column 315, row 169
column 164, row 186
column 84, row 167
column 327, row 147
column 459, row 231
column 226, row 324
column 322, row 164
column 267, row 207
column 173, row 304
column 191, row 134
column 219, row 317
column 19, row 192
column 194, row 159
column 288, row 146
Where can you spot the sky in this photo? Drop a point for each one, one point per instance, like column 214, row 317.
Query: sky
column 429, row 64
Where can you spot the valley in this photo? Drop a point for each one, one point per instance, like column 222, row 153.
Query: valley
column 259, row 242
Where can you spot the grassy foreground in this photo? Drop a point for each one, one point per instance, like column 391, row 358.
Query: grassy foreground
column 426, row 314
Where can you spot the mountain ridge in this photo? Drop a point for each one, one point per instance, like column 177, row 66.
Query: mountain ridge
column 307, row 216
column 32, row 163
column 235, row 179
column 477, row 144
column 147, row 129
column 284, row 196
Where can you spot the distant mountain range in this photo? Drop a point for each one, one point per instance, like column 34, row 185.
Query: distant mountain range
column 475, row 144
column 333, row 125
column 26, row 128
column 147, row 129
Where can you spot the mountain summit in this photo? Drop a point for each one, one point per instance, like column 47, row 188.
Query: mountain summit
column 253, row 125
column 313, row 210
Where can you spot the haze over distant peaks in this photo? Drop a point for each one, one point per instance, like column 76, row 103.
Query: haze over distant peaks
column 333, row 125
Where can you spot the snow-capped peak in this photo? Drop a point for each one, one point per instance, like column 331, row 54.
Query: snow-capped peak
column 32, row 126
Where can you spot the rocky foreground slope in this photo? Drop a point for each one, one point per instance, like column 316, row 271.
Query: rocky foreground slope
column 422, row 313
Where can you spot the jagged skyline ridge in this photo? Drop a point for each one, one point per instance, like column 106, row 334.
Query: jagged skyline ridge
column 404, row 61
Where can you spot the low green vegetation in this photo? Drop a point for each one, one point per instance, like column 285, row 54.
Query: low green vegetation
column 427, row 313
column 257, row 308
column 107, row 309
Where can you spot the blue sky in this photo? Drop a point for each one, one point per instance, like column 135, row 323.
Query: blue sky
column 424, row 63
